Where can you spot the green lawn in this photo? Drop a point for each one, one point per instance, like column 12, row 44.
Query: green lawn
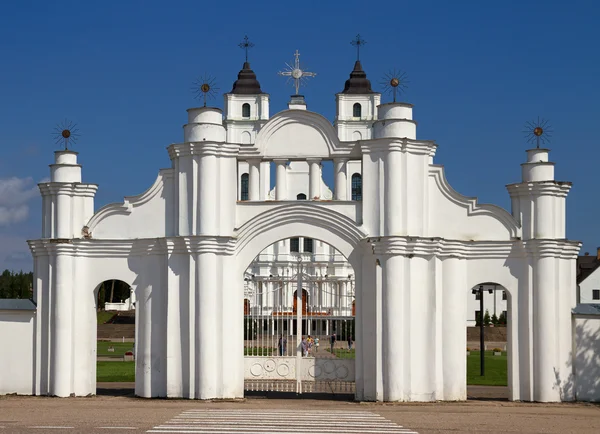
column 259, row 351
column 341, row 353
column 120, row 348
column 104, row 316
column 495, row 369
column 118, row 372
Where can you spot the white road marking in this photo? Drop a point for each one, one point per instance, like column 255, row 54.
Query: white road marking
column 51, row 427
column 117, row 427
column 206, row 421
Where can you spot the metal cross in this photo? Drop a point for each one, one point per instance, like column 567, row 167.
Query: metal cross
column 246, row 45
column 357, row 43
column 296, row 73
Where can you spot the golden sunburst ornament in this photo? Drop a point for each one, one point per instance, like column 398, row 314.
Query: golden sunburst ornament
column 205, row 87
column 394, row 81
column 537, row 132
column 66, row 132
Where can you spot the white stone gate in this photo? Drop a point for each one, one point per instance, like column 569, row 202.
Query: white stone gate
column 297, row 339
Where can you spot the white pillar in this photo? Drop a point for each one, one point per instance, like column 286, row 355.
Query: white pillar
column 544, row 331
column 341, row 179
column 265, row 180
column 207, row 195
column 63, row 216
column 344, row 304
column 314, row 178
column 392, row 196
column 393, row 356
column 281, row 180
column 62, row 330
column 254, row 180
column 207, row 320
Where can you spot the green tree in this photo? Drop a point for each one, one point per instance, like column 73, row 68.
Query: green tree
column 16, row 285
column 502, row 319
column 494, row 319
column 486, row 318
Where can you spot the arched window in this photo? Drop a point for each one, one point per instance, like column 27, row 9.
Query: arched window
column 294, row 245
column 356, row 187
column 246, row 110
column 244, row 187
column 301, row 196
column 356, row 110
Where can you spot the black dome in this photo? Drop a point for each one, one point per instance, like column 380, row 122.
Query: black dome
column 358, row 82
column 246, row 84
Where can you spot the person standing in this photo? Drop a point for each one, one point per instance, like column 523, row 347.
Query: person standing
column 282, row 345
column 304, row 346
column 349, row 342
column 332, row 341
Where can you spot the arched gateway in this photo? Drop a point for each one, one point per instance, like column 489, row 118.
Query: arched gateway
column 415, row 245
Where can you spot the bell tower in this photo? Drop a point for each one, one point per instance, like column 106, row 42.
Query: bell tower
column 246, row 106
column 356, row 105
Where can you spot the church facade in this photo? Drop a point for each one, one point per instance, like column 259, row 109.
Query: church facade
column 415, row 248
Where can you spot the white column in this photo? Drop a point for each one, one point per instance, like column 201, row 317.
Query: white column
column 281, row 180
column 265, row 180
column 393, row 356
column 314, row 170
column 392, row 196
column 207, row 320
column 207, row 195
column 63, row 216
column 344, row 303
column 341, row 179
column 62, row 330
column 454, row 339
column 544, row 331
column 254, row 180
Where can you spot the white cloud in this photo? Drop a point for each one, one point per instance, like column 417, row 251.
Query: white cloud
column 15, row 194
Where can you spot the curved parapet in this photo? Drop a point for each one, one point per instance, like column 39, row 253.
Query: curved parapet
column 459, row 217
column 297, row 133
column 141, row 216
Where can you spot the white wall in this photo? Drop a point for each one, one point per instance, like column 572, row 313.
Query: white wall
column 16, row 353
column 586, row 331
column 587, row 287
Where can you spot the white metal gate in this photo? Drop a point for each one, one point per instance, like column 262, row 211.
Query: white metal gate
column 289, row 323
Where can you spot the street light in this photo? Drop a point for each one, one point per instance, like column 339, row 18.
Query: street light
column 481, row 327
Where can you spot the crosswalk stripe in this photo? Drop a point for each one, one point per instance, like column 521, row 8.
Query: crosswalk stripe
column 219, row 421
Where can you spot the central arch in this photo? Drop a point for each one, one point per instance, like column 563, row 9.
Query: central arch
column 304, row 219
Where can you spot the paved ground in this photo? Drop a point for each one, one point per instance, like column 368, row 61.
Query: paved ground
column 121, row 414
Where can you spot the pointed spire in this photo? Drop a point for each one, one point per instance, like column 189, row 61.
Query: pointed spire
column 358, row 82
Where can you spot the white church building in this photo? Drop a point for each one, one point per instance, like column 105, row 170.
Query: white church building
column 399, row 255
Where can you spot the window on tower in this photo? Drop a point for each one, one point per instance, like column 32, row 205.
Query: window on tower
column 246, row 110
column 301, row 196
column 357, row 110
column 294, row 245
column 308, row 245
column 244, row 187
column 356, row 187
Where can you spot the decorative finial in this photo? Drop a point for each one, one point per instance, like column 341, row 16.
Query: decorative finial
column 296, row 73
column 204, row 87
column 246, row 45
column 66, row 132
column 394, row 81
column 538, row 131
column 358, row 43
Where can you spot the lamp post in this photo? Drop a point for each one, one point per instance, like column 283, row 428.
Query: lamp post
column 481, row 328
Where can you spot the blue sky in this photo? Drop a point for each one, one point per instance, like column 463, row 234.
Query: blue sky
column 123, row 70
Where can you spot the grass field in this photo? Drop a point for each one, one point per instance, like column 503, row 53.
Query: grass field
column 495, row 367
column 117, row 372
column 120, row 348
column 341, row 353
column 104, row 316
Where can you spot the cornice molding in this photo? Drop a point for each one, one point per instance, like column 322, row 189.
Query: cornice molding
column 208, row 147
column 474, row 208
column 444, row 248
column 388, row 144
column 68, row 188
column 547, row 188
